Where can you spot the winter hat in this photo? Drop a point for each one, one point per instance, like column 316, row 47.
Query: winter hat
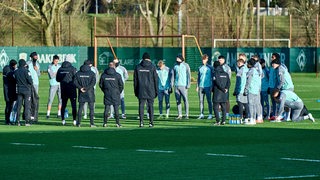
column 251, row 62
column 22, row 63
column 145, row 56
column 12, row 62
column 276, row 61
column 180, row 57
column 216, row 64
column 33, row 54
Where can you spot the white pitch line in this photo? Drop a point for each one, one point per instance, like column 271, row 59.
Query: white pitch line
column 154, row 151
column 292, row 177
column 89, row 147
column 226, row 155
column 307, row 160
column 26, row 144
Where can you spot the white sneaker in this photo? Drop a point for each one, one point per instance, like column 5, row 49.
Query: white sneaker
column 167, row 116
column 111, row 116
column 210, row 116
column 311, row 117
column 63, row 122
column 74, row 122
column 85, row 117
column 201, row 116
column 123, row 116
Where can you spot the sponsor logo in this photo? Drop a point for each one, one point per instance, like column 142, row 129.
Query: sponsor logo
column 301, row 60
column 4, row 58
column 47, row 58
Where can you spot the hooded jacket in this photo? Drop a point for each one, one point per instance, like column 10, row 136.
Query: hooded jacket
column 9, row 84
column 145, row 80
column 65, row 76
column 23, row 79
column 112, row 85
column 85, row 78
column 221, row 83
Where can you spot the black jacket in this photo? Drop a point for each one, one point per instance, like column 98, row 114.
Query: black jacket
column 65, row 76
column 9, row 84
column 221, row 82
column 145, row 80
column 24, row 80
column 111, row 84
column 85, row 78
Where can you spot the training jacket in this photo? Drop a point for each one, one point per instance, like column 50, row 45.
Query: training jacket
column 284, row 80
column 52, row 73
column 65, row 76
column 85, row 78
column 221, row 82
column 205, row 74
column 34, row 74
column 9, row 84
column 164, row 78
column 145, row 80
column 24, row 80
column 265, row 79
column 181, row 76
column 253, row 84
column 111, row 85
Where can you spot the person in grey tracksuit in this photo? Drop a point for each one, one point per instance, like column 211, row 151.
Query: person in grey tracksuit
column 181, row 79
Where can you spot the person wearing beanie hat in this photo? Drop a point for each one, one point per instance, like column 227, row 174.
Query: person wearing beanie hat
column 145, row 84
column 265, row 89
column 9, row 88
column 24, row 86
column 54, row 85
column 124, row 76
column 97, row 76
column 272, row 83
column 252, row 91
column 283, row 77
column 226, row 69
column 34, row 69
column 181, row 79
column 221, row 85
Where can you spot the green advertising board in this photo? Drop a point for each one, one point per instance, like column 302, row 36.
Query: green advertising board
column 303, row 59
column 6, row 54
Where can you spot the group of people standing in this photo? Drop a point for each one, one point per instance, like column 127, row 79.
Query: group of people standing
column 254, row 83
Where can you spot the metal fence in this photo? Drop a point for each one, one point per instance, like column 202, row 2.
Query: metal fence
column 79, row 31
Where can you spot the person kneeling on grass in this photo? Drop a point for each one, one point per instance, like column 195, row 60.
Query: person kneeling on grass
column 112, row 85
column 287, row 98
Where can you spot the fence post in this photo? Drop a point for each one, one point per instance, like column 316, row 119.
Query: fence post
column 212, row 30
column 12, row 30
column 117, row 30
column 290, row 31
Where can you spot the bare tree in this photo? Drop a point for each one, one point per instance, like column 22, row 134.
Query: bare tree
column 306, row 10
column 47, row 12
column 159, row 13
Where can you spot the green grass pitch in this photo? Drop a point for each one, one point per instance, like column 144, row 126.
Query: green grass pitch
column 184, row 149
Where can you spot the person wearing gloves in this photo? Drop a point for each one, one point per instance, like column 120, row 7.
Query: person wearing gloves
column 181, row 79
column 9, row 88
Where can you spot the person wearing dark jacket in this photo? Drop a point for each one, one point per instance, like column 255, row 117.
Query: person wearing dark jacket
column 145, row 83
column 65, row 76
column 85, row 80
column 111, row 85
column 9, row 88
column 24, row 85
column 221, row 85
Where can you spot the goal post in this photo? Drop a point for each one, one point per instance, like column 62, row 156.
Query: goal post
column 187, row 42
column 287, row 41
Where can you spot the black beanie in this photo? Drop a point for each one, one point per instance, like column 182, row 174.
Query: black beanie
column 216, row 64
column 251, row 62
column 33, row 54
column 276, row 61
column 22, row 63
column 145, row 56
column 12, row 62
column 180, row 57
